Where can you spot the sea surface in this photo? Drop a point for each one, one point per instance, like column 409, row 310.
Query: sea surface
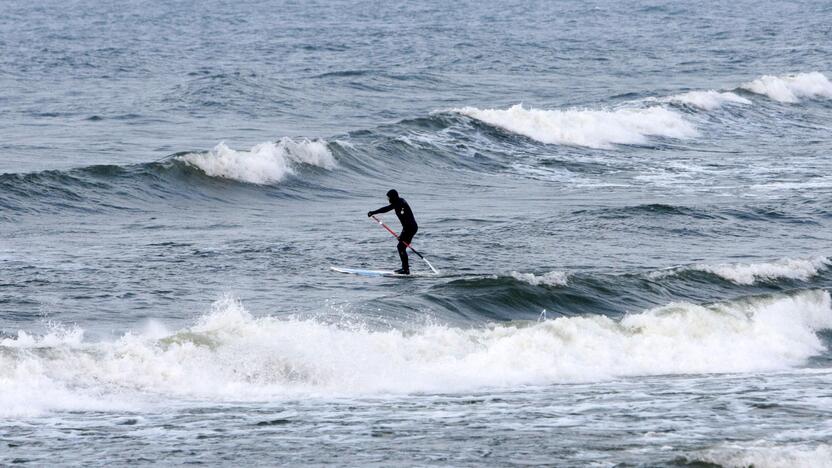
column 629, row 204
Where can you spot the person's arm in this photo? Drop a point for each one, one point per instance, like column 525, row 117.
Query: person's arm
column 383, row 209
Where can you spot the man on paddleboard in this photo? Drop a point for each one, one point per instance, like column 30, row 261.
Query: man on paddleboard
column 409, row 226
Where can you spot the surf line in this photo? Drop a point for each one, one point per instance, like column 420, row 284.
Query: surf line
column 381, row 223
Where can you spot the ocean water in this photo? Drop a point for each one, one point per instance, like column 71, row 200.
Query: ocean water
column 630, row 205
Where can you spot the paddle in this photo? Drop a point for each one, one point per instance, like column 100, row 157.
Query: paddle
column 381, row 223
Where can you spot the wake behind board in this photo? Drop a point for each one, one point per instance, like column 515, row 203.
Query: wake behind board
column 372, row 273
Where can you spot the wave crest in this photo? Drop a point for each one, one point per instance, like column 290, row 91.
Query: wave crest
column 589, row 128
column 265, row 163
column 552, row 278
column 767, row 456
column 707, row 100
column 790, row 88
column 750, row 273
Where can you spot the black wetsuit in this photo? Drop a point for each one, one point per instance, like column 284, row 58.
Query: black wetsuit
column 409, row 226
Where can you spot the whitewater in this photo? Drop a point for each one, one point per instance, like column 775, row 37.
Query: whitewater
column 629, row 205
column 230, row 354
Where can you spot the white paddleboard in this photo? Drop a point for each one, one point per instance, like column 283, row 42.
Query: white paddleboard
column 370, row 273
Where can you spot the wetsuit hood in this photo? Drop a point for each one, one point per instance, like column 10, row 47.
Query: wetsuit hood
column 392, row 195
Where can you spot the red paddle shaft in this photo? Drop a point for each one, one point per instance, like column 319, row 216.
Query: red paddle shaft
column 381, row 223
column 397, row 236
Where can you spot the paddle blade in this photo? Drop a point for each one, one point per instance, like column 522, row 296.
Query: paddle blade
column 435, row 271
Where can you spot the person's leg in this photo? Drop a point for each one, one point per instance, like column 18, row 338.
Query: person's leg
column 403, row 256
column 405, row 237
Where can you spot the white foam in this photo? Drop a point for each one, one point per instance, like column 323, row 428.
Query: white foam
column 28, row 388
column 787, row 456
column 750, row 273
column 552, row 278
column 57, row 336
column 230, row 355
column 265, row 163
column 707, row 100
column 791, row 88
column 589, row 128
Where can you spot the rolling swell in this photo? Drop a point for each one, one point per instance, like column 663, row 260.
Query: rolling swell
column 464, row 140
column 637, row 122
column 467, row 141
column 490, row 140
column 650, row 210
column 526, row 295
column 286, row 168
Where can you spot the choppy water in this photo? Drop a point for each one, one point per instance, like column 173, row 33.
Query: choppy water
column 630, row 205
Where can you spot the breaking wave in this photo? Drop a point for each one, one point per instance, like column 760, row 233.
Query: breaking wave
column 771, row 456
column 265, row 163
column 634, row 126
column 230, row 355
column 791, row 88
column 588, row 128
column 552, row 278
column 750, row 273
column 707, row 100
